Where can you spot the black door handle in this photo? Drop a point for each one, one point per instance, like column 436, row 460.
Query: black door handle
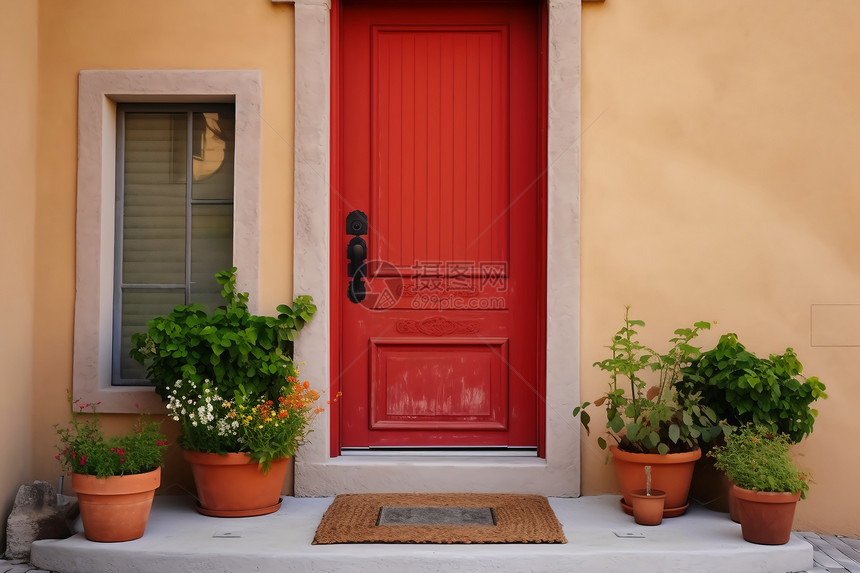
column 356, row 253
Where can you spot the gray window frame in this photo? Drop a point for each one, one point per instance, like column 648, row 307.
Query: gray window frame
column 121, row 110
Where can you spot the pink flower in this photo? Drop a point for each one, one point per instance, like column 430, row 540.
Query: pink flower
column 122, row 460
column 57, row 457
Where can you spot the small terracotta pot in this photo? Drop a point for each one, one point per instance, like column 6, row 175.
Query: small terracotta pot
column 115, row 508
column 232, row 485
column 648, row 509
column 671, row 473
column 766, row 517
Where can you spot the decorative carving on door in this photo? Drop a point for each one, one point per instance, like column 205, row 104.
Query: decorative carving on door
column 436, row 326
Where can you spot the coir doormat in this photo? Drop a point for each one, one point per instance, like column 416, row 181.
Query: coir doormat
column 439, row 518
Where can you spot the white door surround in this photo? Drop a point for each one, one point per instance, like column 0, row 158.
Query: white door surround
column 317, row 473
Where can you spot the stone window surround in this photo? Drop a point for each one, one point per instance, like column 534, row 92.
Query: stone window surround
column 98, row 93
column 558, row 474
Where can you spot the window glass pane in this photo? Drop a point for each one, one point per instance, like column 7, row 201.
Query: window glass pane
column 139, row 306
column 211, row 251
column 212, row 153
column 153, row 250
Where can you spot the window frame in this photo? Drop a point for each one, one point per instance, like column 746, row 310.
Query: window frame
column 99, row 92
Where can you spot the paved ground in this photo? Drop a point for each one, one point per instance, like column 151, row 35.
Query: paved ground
column 833, row 553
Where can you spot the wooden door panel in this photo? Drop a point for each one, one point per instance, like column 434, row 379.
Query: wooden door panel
column 434, row 384
column 439, row 178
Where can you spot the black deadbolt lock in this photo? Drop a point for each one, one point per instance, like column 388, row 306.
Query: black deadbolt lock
column 356, row 223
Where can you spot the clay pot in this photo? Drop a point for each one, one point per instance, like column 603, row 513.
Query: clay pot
column 766, row 517
column 647, row 509
column 733, row 502
column 115, row 508
column 232, row 485
column 710, row 486
column 670, row 473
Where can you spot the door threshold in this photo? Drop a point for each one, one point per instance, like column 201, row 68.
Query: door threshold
column 447, row 452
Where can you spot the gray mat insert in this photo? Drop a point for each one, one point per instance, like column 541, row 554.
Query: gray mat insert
column 394, row 515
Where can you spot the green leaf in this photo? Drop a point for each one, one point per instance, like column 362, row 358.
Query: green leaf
column 674, row 433
column 633, row 431
column 602, row 443
column 653, row 439
column 585, row 418
column 662, row 449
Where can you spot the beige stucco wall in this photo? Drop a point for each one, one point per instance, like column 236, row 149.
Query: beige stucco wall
column 18, row 35
column 99, row 34
column 720, row 181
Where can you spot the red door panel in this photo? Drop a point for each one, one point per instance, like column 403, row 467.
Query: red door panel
column 439, row 147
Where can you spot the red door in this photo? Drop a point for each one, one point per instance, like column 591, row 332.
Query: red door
column 441, row 336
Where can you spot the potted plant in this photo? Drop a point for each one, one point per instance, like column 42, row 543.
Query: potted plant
column 239, row 449
column 114, row 478
column 742, row 388
column 241, row 353
column 229, row 379
column 767, row 484
column 649, row 421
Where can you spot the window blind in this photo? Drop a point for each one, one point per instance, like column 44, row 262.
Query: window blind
column 174, row 216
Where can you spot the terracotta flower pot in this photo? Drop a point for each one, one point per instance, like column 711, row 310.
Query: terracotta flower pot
column 766, row 517
column 115, row 508
column 232, row 485
column 710, row 486
column 648, row 509
column 733, row 502
column 670, row 473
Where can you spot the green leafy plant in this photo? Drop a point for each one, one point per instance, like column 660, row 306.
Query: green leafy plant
column 265, row 429
column 652, row 418
column 757, row 459
column 241, row 353
column 86, row 450
column 743, row 388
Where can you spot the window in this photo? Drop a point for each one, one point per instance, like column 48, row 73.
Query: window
column 104, row 102
column 174, row 219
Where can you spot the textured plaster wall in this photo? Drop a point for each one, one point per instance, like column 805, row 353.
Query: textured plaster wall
column 193, row 34
column 720, row 181
column 18, row 35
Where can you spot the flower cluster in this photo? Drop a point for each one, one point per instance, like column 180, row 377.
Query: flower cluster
column 86, row 450
column 265, row 429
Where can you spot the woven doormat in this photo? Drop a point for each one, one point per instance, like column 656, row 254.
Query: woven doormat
column 355, row 518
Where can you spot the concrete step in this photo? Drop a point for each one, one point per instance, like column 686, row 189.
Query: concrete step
column 600, row 538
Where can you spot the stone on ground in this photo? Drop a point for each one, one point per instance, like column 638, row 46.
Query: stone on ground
column 38, row 513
